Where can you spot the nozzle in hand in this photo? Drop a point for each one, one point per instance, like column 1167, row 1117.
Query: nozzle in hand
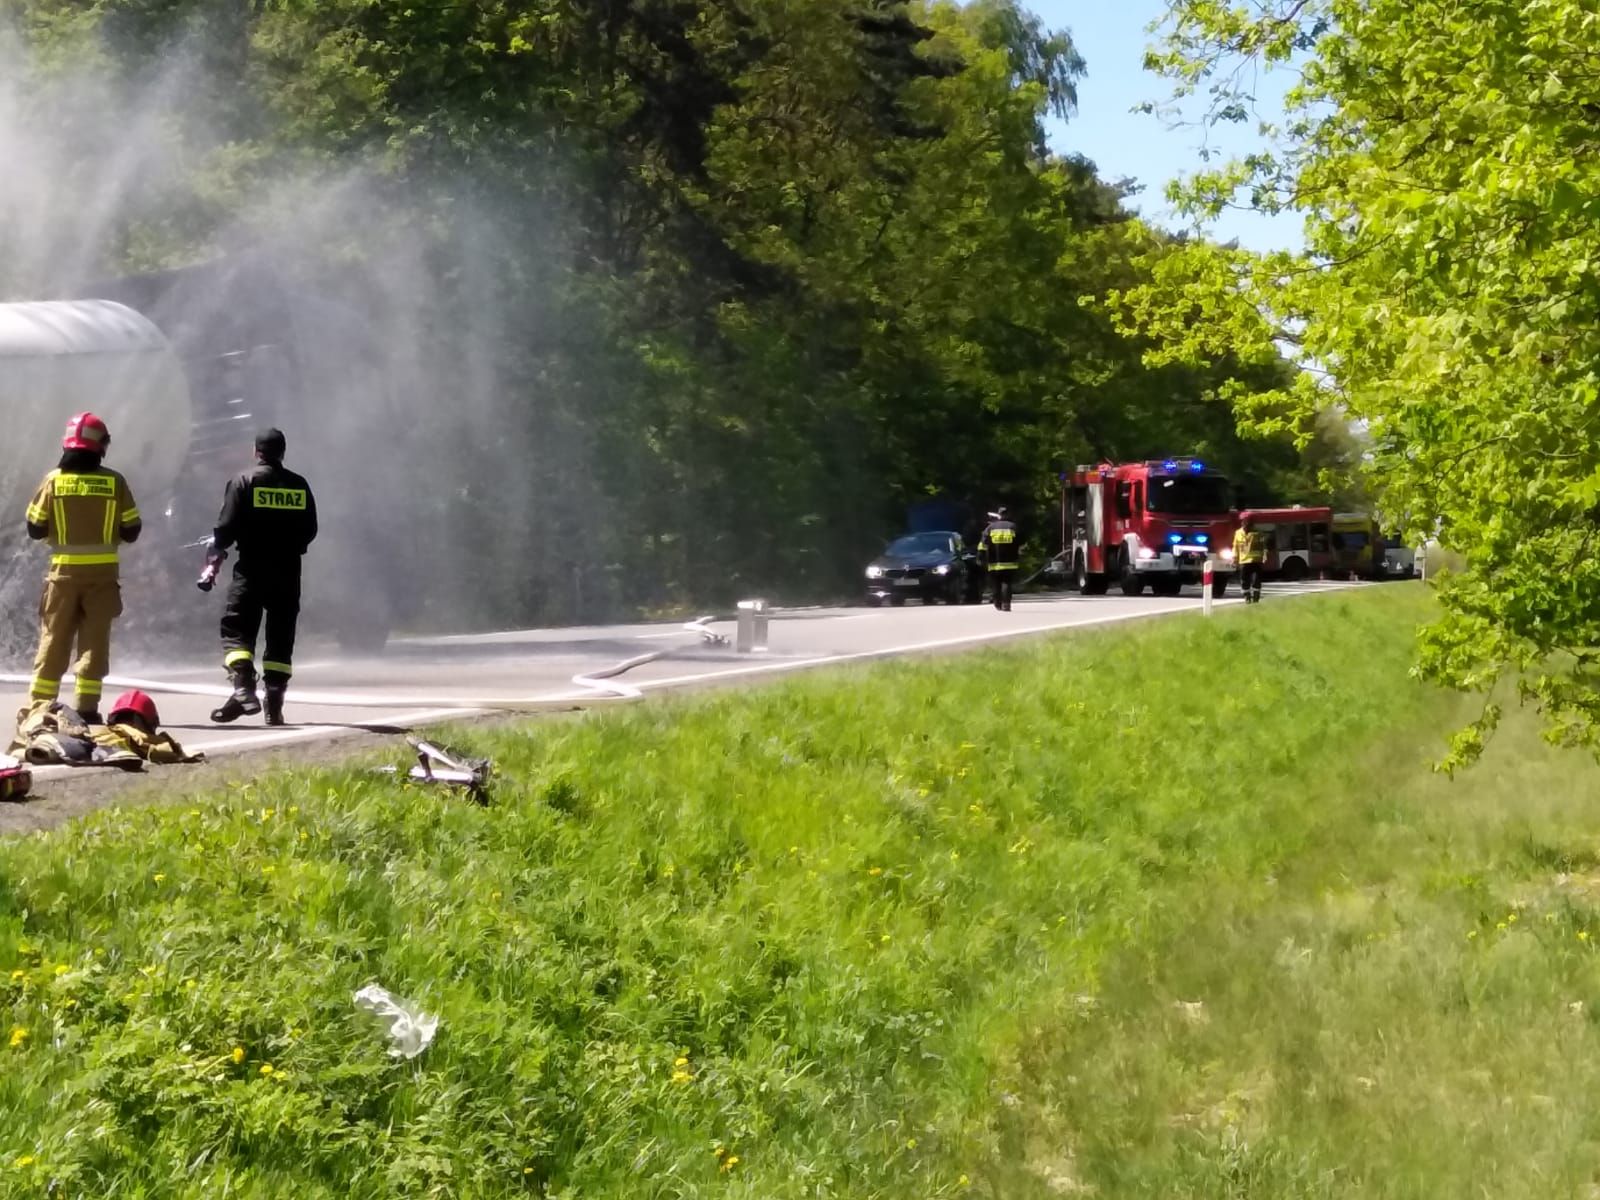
column 208, row 573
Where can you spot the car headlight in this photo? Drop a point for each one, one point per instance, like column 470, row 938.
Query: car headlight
column 1227, row 555
column 1146, row 554
column 874, row 572
column 942, row 569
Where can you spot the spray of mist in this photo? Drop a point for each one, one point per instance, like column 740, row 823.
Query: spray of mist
column 381, row 350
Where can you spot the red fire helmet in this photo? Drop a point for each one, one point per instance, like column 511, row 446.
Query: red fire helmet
column 86, row 432
column 137, row 703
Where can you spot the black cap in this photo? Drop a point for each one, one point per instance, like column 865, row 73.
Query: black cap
column 270, row 444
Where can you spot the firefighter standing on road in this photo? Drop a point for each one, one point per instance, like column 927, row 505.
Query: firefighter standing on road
column 999, row 547
column 85, row 510
column 271, row 515
column 1250, row 555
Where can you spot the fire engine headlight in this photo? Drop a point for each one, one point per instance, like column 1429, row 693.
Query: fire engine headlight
column 942, row 569
column 1227, row 555
column 1146, row 554
column 874, row 572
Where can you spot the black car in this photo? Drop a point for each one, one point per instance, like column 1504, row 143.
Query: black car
column 929, row 566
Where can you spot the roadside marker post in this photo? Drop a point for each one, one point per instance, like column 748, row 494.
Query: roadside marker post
column 1205, row 585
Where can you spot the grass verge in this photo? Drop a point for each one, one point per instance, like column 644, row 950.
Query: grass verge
column 1170, row 910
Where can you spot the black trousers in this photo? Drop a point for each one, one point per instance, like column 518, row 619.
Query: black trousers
column 1000, row 584
column 1250, row 580
column 262, row 589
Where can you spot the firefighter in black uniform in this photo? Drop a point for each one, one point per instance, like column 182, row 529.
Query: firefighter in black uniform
column 271, row 515
column 999, row 547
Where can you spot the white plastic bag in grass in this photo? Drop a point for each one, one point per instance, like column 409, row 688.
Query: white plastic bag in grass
column 410, row 1029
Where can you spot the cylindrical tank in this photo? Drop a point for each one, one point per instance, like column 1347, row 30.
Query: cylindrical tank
column 63, row 357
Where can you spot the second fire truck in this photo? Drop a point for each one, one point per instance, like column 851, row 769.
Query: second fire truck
column 1149, row 523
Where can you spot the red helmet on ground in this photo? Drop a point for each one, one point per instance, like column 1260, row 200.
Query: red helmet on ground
column 138, row 704
column 86, row 432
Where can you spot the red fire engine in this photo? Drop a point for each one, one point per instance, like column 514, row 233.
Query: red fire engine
column 1152, row 523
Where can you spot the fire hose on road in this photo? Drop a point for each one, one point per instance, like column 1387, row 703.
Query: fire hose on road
column 595, row 683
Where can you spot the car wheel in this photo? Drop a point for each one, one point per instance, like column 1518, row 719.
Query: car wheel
column 1294, row 570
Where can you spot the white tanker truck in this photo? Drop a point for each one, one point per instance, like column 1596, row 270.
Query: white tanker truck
column 64, row 357
column 182, row 394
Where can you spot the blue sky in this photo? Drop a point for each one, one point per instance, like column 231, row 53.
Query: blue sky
column 1112, row 39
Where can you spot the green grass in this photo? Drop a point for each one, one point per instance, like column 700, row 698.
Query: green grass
column 1174, row 910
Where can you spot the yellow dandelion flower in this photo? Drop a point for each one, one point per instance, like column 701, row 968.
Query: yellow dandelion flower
column 61, row 969
column 18, row 974
column 266, row 1068
column 1471, row 933
column 730, row 1162
column 238, row 1054
column 527, row 1170
column 875, row 871
column 294, row 809
column 975, row 809
column 1499, row 924
column 884, row 939
column 794, row 849
column 18, row 1036
column 911, row 1143
column 159, row 876
column 963, row 1181
column 25, row 1161
column 681, row 1061
column 681, row 1077
column 1583, row 935
column 1511, row 918
column 923, row 793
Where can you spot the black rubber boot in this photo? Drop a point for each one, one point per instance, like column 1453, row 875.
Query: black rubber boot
column 275, row 703
column 243, row 702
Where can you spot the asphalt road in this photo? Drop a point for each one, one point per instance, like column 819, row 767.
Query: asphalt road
column 419, row 680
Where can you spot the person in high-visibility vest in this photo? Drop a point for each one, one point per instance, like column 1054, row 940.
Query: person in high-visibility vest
column 84, row 510
column 1250, row 556
column 999, row 548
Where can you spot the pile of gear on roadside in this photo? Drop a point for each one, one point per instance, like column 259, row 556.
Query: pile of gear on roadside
column 51, row 733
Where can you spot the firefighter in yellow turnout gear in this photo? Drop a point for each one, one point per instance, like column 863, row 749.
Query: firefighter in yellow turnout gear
column 1250, row 556
column 84, row 511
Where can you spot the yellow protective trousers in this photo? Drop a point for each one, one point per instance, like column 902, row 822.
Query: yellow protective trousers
column 76, row 607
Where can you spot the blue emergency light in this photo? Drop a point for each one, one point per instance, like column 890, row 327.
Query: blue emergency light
column 1169, row 465
column 1174, row 538
column 1197, row 465
column 1202, row 539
